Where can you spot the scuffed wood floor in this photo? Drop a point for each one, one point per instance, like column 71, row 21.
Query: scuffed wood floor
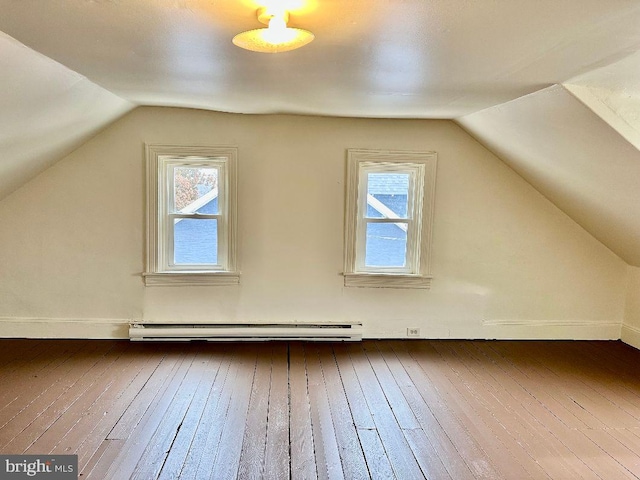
column 378, row 409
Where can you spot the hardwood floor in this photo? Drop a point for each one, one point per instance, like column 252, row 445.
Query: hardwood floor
column 377, row 409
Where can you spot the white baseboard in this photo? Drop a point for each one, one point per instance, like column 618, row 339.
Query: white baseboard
column 551, row 330
column 94, row 328
column 508, row 330
column 118, row 328
column 631, row 336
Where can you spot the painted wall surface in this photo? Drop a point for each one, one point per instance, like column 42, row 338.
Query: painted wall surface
column 631, row 327
column 506, row 262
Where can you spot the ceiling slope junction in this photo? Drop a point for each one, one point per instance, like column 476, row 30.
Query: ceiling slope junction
column 46, row 111
column 574, row 158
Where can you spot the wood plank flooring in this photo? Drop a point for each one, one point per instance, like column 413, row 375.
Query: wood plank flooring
column 377, row 409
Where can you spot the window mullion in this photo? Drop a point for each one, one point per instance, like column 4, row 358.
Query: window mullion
column 222, row 246
column 417, row 209
column 362, row 220
column 169, row 247
column 410, row 256
column 196, row 216
column 165, row 223
column 387, row 220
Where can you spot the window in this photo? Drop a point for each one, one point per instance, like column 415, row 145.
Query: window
column 191, row 215
column 388, row 218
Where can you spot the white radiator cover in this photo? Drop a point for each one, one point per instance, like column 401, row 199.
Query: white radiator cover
column 349, row 331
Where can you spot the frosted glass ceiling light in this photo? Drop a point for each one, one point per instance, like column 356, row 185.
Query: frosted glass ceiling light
column 276, row 38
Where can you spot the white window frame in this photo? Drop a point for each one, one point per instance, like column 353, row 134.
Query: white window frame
column 161, row 163
column 421, row 167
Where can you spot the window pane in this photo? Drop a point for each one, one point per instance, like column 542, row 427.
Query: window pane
column 386, row 245
column 195, row 241
column 389, row 192
column 194, row 188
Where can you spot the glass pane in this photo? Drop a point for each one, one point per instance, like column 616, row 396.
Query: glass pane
column 386, row 245
column 195, row 241
column 389, row 192
column 194, row 188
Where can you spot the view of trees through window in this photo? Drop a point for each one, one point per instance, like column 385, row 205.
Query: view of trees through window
column 191, row 183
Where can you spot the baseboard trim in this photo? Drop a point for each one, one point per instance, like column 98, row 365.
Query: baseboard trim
column 118, row 328
column 546, row 323
column 551, row 329
column 94, row 328
column 630, row 335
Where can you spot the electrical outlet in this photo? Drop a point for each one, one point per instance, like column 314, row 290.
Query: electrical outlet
column 413, row 332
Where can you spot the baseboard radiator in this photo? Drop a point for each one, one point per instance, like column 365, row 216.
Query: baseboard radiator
column 350, row 332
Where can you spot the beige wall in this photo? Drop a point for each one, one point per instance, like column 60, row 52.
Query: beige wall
column 506, row 262
column 631, row 327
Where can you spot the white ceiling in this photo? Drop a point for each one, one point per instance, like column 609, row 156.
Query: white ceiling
column 70, row 67
column 371, row 58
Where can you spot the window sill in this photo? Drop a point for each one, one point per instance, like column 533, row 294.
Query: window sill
column 381, row 280
column 191, row 279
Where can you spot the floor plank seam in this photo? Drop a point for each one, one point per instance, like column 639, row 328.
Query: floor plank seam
column 289, row 403
column 144, row 385
column 447, row 409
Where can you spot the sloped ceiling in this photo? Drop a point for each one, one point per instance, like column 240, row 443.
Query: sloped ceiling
column 70, row 67
column 613, row 93
column 578, row 144
column 574, row 158
column 46, row 110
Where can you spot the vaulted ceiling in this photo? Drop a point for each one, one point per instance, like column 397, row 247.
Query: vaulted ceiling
column 552, row 87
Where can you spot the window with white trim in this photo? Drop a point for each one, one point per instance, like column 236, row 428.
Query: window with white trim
column 389, row 211
column 191, row 215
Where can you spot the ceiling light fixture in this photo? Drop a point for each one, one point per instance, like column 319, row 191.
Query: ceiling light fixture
column 277, row 37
